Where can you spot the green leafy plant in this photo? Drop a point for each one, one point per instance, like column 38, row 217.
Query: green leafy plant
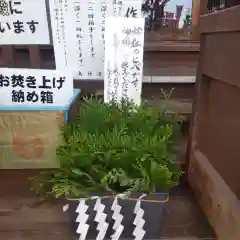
column 188, row 20
column 114, row 147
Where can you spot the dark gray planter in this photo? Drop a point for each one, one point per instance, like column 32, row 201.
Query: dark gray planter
column 153, row 215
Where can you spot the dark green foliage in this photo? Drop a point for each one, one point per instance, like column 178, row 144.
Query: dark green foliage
column 188, row 20
column 110, row 147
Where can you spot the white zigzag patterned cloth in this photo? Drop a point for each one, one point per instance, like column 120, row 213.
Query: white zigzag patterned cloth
column 118, row 217
column 82, row 219
column 100, row 218
column 139, row 222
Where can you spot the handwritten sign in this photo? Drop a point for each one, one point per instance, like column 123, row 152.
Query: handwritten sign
column 123, row 8
column 123, row 66
column 35, row 87
column 62, row 22
column 84, row 36
column 23, row 22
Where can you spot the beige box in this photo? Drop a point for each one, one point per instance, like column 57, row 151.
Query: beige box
column 28, row 139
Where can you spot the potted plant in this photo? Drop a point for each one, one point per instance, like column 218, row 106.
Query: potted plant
column 112, row 149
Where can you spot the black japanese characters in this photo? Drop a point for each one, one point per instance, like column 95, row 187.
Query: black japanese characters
column 26, row 89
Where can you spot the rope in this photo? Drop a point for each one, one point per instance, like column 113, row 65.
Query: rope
column 122, row 196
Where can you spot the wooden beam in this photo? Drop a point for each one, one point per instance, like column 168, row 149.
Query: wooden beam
column 227, row 20
column 203, row 6
column 217, row 200
column 198, row 7
column 7, row 56
column 195, row 19
column 35, row 57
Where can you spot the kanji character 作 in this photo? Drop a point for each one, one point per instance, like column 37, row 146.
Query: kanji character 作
column 4, row 81
column 18, row 96
column 131, row 12
column 17, row 81
column 32, row 25
column 32, row 97
column 46, row 97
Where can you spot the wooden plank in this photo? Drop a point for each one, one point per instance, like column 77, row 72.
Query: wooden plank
column 221, row 21
column 166, row 45
column 20, row 214
column 221, row 63
column 219, row 203
column 7, row 56
column 203, row 7
column 172, row 46
column 35, row 56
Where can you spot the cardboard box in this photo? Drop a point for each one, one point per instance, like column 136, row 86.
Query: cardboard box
column 29, row 136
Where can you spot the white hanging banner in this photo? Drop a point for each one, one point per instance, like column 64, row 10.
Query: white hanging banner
column 124, row 38
column 35, row 87
column 83, row 47
column 63, row 26
column 23, row 22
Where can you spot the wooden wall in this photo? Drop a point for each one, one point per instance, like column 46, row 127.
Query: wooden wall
column 214, row 167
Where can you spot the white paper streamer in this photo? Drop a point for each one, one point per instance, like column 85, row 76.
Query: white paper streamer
column 139, row 222
column 118, row 217
column 82, row 219
column 100, row 218
column 65, row 207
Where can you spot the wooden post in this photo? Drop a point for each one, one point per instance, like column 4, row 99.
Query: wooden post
column 195, row 19
column 199, row 7
column 35, row 56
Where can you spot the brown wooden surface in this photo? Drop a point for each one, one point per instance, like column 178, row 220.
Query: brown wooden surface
column 161, row 58
column 226, row 20
column 195, row 19
column 22, row 219
column 214, row 155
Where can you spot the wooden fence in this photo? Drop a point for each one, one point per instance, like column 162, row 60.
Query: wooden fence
column 214, row 153
column 163, row 61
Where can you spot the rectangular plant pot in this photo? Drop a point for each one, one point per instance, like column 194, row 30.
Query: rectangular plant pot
column 153, row 205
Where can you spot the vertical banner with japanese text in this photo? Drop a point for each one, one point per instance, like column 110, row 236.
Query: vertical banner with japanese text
column 86, row 34
column 23, row 22
column 63, row 26
column 35, row 87
column 124, row 38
